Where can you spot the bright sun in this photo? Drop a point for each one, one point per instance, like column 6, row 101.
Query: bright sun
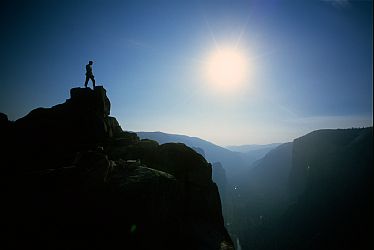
column 227, row 68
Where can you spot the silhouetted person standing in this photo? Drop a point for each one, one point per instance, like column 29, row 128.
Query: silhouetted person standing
column 89, row 74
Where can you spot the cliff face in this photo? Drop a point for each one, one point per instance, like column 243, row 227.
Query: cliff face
column 314, row 193
column 331, row 182
column 74, row 179
column 330, row 154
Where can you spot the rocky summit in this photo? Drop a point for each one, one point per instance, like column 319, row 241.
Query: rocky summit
column 75, row 180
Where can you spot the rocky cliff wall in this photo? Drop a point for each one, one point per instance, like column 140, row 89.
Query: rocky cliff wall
column 74, row 179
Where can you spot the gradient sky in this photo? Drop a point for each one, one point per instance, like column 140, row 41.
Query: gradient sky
column 311, row 63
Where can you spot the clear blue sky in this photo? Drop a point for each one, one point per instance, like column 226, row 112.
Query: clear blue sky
column 312, row 63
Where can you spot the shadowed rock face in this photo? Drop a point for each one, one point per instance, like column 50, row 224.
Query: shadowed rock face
column 314, row 193
column 332, row 182
column 74, row 179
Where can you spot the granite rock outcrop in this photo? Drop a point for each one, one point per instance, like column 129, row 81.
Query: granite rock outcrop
column 74, row 179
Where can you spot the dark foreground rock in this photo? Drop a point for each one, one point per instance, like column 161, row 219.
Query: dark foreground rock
column 75, row 180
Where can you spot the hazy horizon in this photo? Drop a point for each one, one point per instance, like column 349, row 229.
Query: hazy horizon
column 298, row 66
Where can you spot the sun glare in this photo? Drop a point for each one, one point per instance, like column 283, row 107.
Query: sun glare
column 227, row 69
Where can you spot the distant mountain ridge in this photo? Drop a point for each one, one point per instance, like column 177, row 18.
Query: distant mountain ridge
column 252, row 147
column 233, row 158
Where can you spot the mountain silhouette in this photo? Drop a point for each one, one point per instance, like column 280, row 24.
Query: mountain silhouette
column 75, row 180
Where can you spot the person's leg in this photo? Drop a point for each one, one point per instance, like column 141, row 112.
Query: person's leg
column 86, row 82
column 93, row 81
